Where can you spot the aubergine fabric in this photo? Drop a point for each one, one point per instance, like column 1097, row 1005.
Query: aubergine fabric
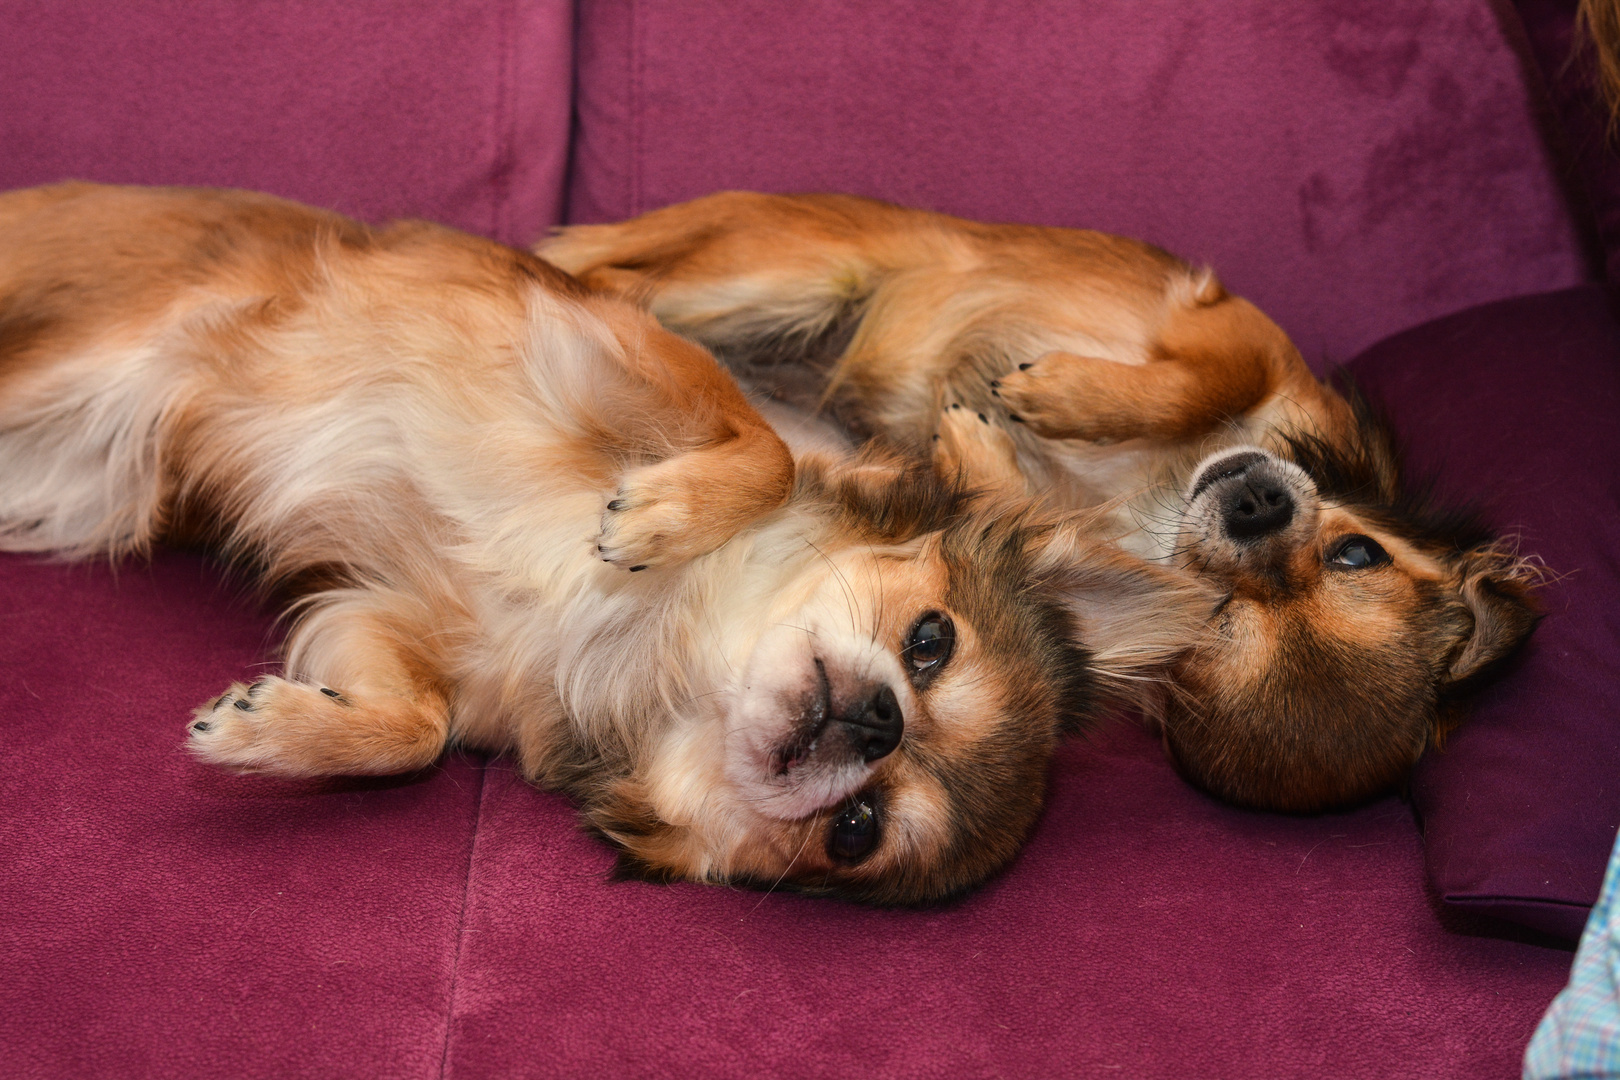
column 1353, row 168
column 1587, row 156
column 159, row 918
column 1517, row 405
column 457, row 112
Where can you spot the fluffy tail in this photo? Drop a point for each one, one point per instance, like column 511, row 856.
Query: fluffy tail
column 82, row 454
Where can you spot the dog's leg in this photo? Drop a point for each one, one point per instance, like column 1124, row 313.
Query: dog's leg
column 706, row 462
column 980, row 453
column 1214, row 362
column 374, row 702
column 771, row 283
column 688, row 505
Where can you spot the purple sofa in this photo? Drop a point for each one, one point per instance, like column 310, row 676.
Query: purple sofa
column 1396, row 183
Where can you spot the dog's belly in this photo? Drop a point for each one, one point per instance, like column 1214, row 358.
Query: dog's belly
column 804, row 431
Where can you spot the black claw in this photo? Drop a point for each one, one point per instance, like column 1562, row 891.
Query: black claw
column 633, row 569
column 995, row 393
column 201, row 725
column 329, row 692
column 616, row 504
column 244, row 704
column 995, row 383
column 955, row 405
column 936, row 438
column 255, row 685
column 983, row 419
column 1015, row 418
column 1025, row 367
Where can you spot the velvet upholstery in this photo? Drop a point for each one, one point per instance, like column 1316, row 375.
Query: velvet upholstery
column 1147, row 931
column 377, row 108
column 1517, row 405
column 1352, row 168
column 162, row 918
column 1588, row 157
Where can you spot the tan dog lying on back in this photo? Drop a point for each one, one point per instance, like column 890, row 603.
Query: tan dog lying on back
column 526, row 519
column 1102, row 372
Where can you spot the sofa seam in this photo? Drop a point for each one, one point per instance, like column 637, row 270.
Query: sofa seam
column 505, row 118
column 461, row 920
column 636, row 95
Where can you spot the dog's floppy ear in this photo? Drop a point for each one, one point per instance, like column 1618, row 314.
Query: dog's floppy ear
column 1134, row 617
column 1496, row 587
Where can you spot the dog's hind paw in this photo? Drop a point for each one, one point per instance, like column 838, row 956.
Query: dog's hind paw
column 268, row 726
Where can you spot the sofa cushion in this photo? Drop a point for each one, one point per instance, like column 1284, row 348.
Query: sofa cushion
column 159, row 917
column 377, row 108
column 1517, row 404
column 1352, row 168
column 1146, row 931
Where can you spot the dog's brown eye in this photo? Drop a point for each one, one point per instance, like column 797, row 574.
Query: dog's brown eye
column 1358, row 553
column 854, row 831
column 930, row 643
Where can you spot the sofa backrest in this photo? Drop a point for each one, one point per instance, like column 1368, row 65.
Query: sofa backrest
column 1354, row 168
column 377, row 108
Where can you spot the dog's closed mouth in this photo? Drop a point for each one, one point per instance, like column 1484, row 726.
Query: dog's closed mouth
column 1224, row 469
column 797, row 750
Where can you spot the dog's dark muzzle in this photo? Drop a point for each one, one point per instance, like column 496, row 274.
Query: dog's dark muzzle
column 1255, row 506
column 862, row 721
column 874, row 726
column 1252, row 501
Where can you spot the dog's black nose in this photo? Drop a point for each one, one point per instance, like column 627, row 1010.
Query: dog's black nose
column 1255, row 507
column 874, row 727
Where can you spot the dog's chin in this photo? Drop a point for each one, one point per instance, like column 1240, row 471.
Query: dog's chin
column 789, row 775
column 811, row 788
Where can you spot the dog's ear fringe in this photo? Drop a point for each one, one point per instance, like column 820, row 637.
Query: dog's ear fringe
column 1497, row 587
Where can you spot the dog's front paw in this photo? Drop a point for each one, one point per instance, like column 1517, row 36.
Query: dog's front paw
column 968, row 445
column 1060, row 396
column 265, row 727
column 656, row 519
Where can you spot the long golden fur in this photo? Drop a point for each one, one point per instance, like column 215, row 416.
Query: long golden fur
column 527, row 519
column 1097, row 371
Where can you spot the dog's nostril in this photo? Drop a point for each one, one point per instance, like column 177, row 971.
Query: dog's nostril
column 1256, row 508
column 875, row 727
